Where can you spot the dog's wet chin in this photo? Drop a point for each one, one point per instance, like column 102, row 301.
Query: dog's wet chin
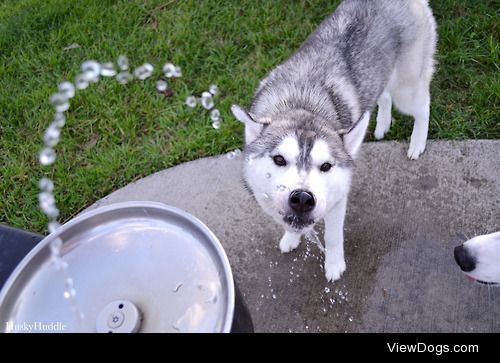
column 295, row 223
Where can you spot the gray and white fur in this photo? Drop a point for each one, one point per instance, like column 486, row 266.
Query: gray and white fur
column 309, row 115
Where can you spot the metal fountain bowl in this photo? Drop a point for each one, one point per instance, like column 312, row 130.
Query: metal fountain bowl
column 136, row 266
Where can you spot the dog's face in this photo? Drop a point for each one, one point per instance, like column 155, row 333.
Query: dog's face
column 479, row 258
column 296, row 168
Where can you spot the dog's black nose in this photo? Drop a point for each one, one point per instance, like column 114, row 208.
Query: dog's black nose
column 301, row 201
column 466, row 262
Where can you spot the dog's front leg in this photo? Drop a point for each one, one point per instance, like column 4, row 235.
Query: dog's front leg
column 289, row 242
column 334, row 241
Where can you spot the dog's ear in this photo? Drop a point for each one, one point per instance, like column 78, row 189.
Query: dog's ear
column 252, row 127
column 353, row 137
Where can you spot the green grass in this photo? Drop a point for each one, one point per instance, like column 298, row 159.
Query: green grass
column 115, row 134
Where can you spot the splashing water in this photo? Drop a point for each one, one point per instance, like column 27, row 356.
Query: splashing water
column 207, row 101
column 81, row 82
column 215, row 115
column 52, row 134
column 161, row 85
column 91, row 71
column 124, row 77
column 312, row 236
column 59, row 119
column 281, row 188
column 123, row 62
column 191, row 101
column 213, row 89
column 108, row 69
column 168, row 70
column 47, row 156
column 46, row 185
column 177, row 287
column 66, row 89
column 144, row 71
column 59, row 101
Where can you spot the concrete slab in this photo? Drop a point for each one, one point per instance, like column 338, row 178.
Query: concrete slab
column 404, row 218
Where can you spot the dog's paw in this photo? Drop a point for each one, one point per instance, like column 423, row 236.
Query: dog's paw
column 334, row 267
column 417, row 147
column 289, row 242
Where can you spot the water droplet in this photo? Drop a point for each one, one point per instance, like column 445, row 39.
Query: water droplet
column 67, row 89
column 266, row 195
column 51, row 135
column 59, row 101
column 144, row 71
column 274, row 296
column 53, row 226
column 81, row 81
column 177, row 287
column 68, row 283
column 237, row 152
column 59, row 263
column 216, row 124
column 161, row 85
column 124, row 77
column 46, row 184
column 351, row 318
column 59, row 119
column 91, row 70
column 213, row 89
column 51, row 212
column 230, row 155
column 268, row 175
column 215, row 115
column 123, row 62
column 55, row 246
column 327, row 290
column 280, row 188
column 108, row 69
column 70, row 293
column 169, row 70
column 177, row 72
column 207, row 101
column 191, row 101
column 47, row 156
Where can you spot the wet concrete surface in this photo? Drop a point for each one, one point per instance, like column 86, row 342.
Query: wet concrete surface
column 404, row 218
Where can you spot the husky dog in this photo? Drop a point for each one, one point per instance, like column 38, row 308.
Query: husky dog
column 309, row 115
column 479, row 258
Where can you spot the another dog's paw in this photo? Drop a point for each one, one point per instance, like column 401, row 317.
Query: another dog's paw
column 289, row 242
column 417, row 147
column 334, row 267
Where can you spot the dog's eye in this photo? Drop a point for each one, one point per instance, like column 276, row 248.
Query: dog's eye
column 279, row 160
column 325, row 167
